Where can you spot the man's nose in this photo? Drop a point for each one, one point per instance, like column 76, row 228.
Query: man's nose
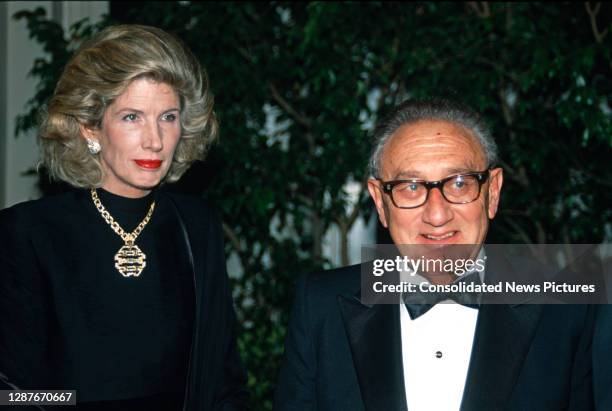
column 437, row 210
column 153, row 138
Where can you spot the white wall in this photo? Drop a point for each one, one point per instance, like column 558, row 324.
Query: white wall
column 17, row 54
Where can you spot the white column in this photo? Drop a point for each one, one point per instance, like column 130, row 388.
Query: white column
column 17, row 54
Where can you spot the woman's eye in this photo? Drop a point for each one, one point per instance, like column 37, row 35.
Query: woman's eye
column 130, row 117
column 169, row 117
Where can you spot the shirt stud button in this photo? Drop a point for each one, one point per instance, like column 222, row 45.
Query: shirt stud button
column 438, row 354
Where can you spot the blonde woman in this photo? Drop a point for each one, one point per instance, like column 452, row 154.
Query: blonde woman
column 116, row 289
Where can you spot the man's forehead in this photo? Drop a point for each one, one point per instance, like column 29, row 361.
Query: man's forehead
column 432, row 146
column 423, row 174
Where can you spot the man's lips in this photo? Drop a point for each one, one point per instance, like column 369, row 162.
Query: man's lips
column 149, row 164
column 442, row 237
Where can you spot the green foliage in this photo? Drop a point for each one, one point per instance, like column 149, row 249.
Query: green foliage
column 299, row 85
column 47, row 70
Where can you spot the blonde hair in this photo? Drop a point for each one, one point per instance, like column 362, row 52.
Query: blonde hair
column 98, row 73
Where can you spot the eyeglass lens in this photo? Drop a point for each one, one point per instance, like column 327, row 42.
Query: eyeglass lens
column 459, row 189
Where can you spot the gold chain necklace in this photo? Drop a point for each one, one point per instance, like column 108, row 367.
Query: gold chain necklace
column 129, row 260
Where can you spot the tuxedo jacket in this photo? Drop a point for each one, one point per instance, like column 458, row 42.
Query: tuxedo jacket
column 602, row 358
column 342, row 354
column 216, row 378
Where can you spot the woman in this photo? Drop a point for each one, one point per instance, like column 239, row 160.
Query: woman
column 115, row 289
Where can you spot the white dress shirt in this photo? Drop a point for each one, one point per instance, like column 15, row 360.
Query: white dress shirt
column 436, row 350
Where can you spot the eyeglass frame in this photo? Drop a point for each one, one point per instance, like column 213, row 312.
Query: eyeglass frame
column 481, row 177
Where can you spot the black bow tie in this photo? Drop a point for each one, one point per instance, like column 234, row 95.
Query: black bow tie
column 418, row 303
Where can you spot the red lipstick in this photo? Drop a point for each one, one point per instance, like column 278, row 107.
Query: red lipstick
column 149, row 164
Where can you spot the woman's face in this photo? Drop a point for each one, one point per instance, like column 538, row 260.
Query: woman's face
column 138, row 136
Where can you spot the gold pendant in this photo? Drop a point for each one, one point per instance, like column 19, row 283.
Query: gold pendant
column 130, row 260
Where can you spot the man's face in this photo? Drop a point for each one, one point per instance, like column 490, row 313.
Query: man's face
column 433, row 150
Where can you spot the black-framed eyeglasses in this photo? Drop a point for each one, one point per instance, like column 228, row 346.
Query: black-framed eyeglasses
column 456, row 189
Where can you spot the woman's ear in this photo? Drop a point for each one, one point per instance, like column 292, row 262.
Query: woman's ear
column 88, row 133
column 91, row 136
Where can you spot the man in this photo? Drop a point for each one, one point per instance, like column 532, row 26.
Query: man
column 344, row 354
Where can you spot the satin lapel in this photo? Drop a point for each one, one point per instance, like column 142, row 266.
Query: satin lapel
column 502, row 339
column 374, row 336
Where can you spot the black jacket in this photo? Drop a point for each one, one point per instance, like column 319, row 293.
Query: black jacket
column 341, row 354
column 216, row 378
column 602, row 358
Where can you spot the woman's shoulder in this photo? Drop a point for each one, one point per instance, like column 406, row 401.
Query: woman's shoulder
column 33, row 212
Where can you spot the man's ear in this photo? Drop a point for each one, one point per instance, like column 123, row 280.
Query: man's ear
column 377, row 195
column 496, row 180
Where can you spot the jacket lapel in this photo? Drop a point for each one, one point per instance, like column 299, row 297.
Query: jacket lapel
column 502, row 338
column 374, row 337
column 501, row 342
column 192, row 242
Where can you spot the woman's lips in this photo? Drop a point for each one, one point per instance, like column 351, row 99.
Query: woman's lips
column 149, row 164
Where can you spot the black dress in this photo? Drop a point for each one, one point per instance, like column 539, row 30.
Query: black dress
column 70, row 320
